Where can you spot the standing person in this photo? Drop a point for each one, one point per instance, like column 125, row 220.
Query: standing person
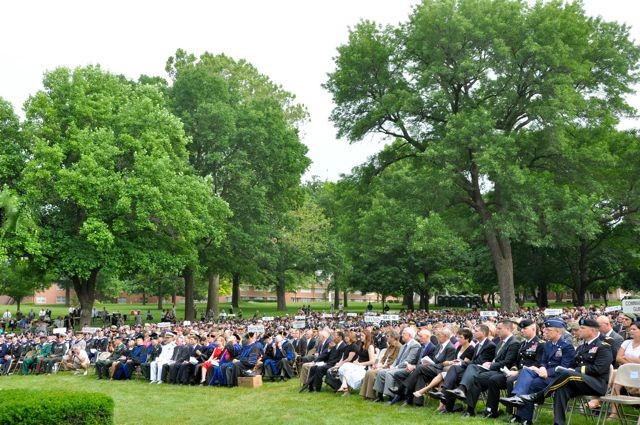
column 589, row 375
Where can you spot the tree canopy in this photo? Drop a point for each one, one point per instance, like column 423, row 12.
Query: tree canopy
column 496, row 96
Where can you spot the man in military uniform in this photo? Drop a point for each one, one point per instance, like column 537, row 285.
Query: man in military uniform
column 557, row 351
column 58, row 349
column 120, row 351
column 153, row 351
column 31, row 356
column 589, row 376
column 45, row 351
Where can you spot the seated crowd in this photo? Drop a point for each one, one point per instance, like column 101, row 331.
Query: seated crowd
column 450, row 356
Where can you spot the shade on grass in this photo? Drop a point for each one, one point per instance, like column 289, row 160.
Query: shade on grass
column 139, row 403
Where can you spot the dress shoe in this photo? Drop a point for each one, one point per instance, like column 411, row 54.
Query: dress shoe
column 395, row 390
column 437, row 394
column 512, row 401
column 492, row 415
column 514, row 419
column 395, row 400
column 535, row 398
column 468, row 414
column 459, row 393
column 526, row 422
column 379, row 400
column 304, row 387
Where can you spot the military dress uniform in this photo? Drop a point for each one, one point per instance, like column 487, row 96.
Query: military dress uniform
column 560, row 353
column 590, row 376
column 153, row 351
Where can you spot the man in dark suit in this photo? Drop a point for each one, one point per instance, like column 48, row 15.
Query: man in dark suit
column 321, row 354
column 319, row 370
column 506, row 356
column 429, row 366
column 529, row 354
column 608, row 335
column 180, row 354
column 589, row 376
column 485, row 351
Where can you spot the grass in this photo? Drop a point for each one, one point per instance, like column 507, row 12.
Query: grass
column 139, row 403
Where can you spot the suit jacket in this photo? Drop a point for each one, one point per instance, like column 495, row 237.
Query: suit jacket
column 391, row 354
column 507, row 355
column 448, row 353
column 180, row 353
column 428, row 350
column 614, row 340
column 486, row 353
column 409, row 353
column 324, row 351
column 336, row 354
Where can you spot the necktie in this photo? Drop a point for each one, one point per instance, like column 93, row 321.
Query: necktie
column 500, row 346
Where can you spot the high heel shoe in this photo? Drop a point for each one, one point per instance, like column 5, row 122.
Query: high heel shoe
column 418, row 394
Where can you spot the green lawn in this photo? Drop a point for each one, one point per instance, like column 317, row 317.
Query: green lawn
column 139, row 403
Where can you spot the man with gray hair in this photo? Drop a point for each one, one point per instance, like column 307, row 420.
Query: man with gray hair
column 409, row 355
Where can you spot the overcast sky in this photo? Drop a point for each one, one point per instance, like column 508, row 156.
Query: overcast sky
column 291, row 41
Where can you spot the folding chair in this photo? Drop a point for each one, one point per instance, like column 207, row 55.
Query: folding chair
column 585, row 399
column 628, row 376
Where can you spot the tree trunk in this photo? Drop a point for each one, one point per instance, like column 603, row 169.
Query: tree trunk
column 189, row 312
column 426, row 292
column 235, row 290
column 503, row 262
column 499, row 246
column 423, row 298
column 345, row 299
column 280, row 291
column 408, row 299
column 67, row 295
column 160, row 295
column 543, row 295
column 86, row 292
column 18, row 300
column 144, row 297
column 336, row 292
column 212, row 293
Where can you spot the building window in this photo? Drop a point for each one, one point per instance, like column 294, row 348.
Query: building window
column 122, row 301
column 61, row 300
column 41, row 300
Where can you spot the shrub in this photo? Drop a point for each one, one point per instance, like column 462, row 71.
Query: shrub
column 37, row 407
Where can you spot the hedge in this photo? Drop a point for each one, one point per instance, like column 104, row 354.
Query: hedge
column 37, row 407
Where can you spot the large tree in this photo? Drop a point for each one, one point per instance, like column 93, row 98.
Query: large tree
column 108, row 181
column 488, row 92
column 244, row 136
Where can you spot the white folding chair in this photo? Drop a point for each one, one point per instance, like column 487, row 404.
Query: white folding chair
column 628, row 376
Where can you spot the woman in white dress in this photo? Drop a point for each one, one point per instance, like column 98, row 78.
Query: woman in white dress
column 352, row 374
